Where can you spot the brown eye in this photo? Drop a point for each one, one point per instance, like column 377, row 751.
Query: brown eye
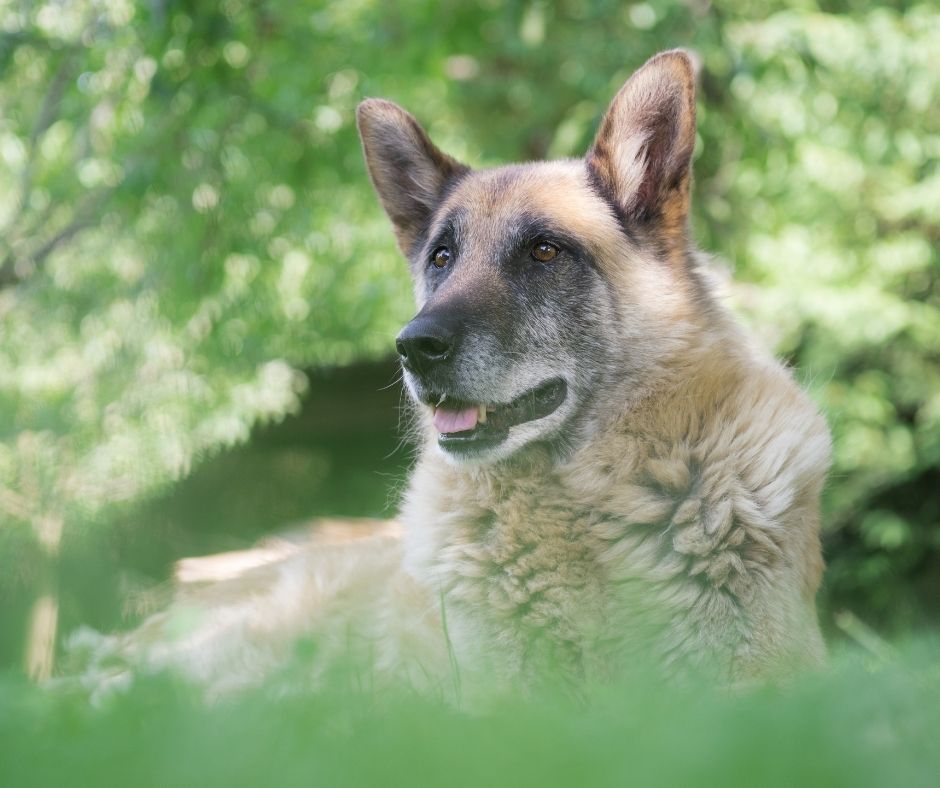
column 544, row 252
column 441, row 257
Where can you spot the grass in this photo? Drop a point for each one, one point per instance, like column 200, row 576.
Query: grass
column 860, row 722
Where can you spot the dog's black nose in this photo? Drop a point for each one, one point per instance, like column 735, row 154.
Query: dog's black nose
column 424, row 342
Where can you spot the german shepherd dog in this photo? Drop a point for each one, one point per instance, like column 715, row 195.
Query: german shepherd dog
column 608, row 465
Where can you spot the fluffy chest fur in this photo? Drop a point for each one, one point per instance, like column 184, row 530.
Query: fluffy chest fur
column 518, row 568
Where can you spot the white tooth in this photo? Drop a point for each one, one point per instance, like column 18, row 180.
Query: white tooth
column 481, row 416
column 441, row 401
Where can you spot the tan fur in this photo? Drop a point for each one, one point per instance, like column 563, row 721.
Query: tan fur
column 682, row 527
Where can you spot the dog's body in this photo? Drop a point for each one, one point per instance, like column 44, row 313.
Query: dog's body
column 609, row 466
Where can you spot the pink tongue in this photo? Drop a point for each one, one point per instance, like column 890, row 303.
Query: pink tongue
column 455, row 420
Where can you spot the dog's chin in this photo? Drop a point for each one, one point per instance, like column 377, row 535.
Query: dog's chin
column 467, row 433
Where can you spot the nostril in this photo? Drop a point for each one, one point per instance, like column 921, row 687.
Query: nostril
column 431, row 347
column 402, row 348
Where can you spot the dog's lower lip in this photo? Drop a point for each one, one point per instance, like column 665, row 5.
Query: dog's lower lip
column 537, row 403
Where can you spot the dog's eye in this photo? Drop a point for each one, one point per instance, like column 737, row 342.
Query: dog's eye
column 441, row 257
column 544, row 252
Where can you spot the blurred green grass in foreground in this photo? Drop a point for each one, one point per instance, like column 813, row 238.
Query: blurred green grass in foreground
column 860, row 722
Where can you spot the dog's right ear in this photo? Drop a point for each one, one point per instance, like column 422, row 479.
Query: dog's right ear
column 408, row 171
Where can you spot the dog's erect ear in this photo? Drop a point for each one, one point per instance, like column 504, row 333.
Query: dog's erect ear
column 408, row 171
column 642, row 153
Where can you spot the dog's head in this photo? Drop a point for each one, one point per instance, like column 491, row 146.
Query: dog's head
column 540, row 284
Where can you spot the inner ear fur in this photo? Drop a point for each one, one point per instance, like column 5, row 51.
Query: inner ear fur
column 642, row 154
column 408, row 171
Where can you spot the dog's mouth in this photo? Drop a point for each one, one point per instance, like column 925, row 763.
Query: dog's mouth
column 466, row 427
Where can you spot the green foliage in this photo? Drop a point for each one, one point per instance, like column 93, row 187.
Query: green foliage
column 186, row 223
column 856, row 725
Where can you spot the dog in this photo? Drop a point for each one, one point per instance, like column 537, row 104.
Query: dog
column 608, row 465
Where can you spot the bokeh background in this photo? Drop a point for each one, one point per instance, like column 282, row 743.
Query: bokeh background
column 198, row 291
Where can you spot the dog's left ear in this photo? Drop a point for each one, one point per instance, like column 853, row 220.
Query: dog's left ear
column 642, row 154
column 408, row 171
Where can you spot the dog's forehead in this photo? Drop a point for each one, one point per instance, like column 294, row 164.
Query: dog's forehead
column 491, row 202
